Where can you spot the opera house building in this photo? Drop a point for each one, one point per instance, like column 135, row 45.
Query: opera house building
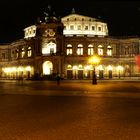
column 65, row 46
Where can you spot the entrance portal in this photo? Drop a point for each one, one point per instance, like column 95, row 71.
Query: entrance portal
column 47, row 68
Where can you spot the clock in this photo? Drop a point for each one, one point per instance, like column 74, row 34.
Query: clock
column 49, row 32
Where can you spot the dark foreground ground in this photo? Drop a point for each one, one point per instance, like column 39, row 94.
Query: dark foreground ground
column 71, row 111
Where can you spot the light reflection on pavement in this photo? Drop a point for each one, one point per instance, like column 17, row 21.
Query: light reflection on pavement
column 70, row 112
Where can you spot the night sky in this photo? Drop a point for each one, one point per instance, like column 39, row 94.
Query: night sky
column 123, row 17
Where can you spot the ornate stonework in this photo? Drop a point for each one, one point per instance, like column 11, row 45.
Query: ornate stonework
column 65, row 47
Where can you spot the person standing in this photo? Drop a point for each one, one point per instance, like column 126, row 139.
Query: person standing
column 58, row 79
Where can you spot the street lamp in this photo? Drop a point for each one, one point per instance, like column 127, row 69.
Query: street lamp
column 75, row 68
column 95, row 60
column 120, row 69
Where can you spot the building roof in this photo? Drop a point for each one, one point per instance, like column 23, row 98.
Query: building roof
column 79, row 17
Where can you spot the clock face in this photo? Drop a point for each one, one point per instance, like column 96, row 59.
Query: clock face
column 50, row 32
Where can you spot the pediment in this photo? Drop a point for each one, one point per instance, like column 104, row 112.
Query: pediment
column 77, row 17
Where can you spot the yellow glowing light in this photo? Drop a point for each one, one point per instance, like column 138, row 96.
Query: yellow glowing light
column 120, row 68
column 75, row 67
column 100, row 67
column 47, row 67
column 49, row 48
column 28, row 68
column 20, row 69
column 80, row 66
column 69, row 66
column 13, row 69
column 7, row 70
column 87, row 68
column 94, row 60
column 109, row 67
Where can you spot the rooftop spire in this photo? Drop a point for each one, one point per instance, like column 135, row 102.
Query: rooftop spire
column 73, row 11
column 49, row 7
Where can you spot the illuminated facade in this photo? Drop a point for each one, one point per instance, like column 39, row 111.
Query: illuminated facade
column 65, row 46
column 79, row 25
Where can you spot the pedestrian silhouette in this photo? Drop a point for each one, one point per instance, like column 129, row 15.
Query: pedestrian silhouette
column 58, row 79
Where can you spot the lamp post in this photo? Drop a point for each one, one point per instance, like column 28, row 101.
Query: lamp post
column 120, row 69
column 75, row 68
column 95, row 60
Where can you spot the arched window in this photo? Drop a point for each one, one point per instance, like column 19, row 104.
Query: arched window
column 109, row 67
column 80, row 66
column 22, row 52
column 109, row 51
column 100, row 50
column 100, row 67
column 69, row 49
column 49, row 48
column 17, row 53
column 126, row 50
column 69, row 66
column 80, row 49
column 29, row 52
column 90, row 49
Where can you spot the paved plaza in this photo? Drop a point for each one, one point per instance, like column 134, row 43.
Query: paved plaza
column 72, row 87
column 73, row 110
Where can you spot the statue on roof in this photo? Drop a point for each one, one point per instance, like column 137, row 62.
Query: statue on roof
column 49, row 7
column 73, row 11
column 50, row 15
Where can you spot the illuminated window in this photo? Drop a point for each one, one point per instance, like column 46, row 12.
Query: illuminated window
column 34, row 31
column 69, row 66
column 80, row 66
column 126, row 50
column 90, row 50
column 86, row 27
column 30, row 32
column 17, row 53
column 71, row 27
column 100, row 67
column 79, row 27
column 69, row 49
column 47, row 68
column 99, row 28
column 100, row 50
column 109, row 67
column 49, row 48
column 29, row 52
column 80, row 49
column 109, row 51
column 26, row 33
column 22, row 52
column 13, row 54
